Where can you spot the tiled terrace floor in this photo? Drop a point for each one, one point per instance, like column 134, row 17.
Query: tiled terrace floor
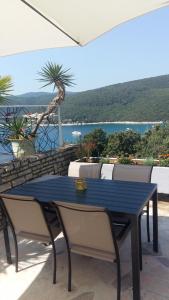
column 92, row 279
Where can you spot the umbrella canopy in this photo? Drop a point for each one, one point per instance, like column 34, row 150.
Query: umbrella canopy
column 33, row 24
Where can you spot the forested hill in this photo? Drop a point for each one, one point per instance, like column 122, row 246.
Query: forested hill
column 139, row 100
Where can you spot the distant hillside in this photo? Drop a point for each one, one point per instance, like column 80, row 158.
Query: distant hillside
column 139, row 100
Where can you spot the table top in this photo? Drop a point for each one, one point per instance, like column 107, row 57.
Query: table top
column 117, row 196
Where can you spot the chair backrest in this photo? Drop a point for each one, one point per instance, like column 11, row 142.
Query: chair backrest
column 83, row 169
column 86, row 226
column 132, row 173
column 25, row 214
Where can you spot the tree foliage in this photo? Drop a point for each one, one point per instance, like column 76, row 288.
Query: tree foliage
column 123, row 143
column 5, row 88
column 155, row 142
column 98, row 138
column 139, row 100
column 54, row 74
column 151, row 145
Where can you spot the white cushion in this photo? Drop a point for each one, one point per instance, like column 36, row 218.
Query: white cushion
column 107, row 171
column 160, row 175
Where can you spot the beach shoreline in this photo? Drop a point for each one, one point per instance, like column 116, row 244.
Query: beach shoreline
column 117, row 122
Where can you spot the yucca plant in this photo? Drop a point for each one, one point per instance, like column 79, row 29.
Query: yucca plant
column 54, row 74
column 17, row 128
column 5, row 88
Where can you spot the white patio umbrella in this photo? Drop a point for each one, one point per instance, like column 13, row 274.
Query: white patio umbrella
column 38, row 24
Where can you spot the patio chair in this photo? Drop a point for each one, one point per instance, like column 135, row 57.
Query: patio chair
column 48, row 208
column 138, row 174
column 89, row 231
column 83, row 169
column 27, row 218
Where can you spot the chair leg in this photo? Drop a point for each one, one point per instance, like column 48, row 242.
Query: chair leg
column 54, row 261
column 140, row 245
column 118, row 279
column 7, row 245
column 16, row 249
column 148, row 222
column 69, row 271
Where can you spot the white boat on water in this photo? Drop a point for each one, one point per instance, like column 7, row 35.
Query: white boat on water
column 76, row 133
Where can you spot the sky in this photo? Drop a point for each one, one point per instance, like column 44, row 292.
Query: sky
column 134, row 50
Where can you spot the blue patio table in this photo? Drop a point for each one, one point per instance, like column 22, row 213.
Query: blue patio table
column 120, row 197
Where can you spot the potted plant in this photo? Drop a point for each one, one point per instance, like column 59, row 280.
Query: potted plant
column 19, row 134
column 21, row 130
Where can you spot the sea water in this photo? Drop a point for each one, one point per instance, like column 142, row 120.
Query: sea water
column 108, row 128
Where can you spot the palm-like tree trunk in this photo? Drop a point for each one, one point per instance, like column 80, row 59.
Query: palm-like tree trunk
column 57, row 100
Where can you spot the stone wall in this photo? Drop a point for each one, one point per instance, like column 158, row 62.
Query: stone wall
column 52, row 162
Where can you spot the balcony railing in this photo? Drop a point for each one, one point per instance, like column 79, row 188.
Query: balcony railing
column 49, row 134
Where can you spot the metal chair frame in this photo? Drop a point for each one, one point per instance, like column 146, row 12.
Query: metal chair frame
column 117, row 259
column 15, row 236
column 4, row 228
column 147, row 210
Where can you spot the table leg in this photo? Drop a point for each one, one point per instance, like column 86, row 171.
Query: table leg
column 7, row 245
column 135, row 257
column 155, row 221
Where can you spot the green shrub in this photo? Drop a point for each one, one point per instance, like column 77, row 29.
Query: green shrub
column 104, row 160
column 164, row 162
column 125, row 161
column 155, row 141
column 152, row 144
column 149, row 161
column 98, row 138
column 123, row 143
